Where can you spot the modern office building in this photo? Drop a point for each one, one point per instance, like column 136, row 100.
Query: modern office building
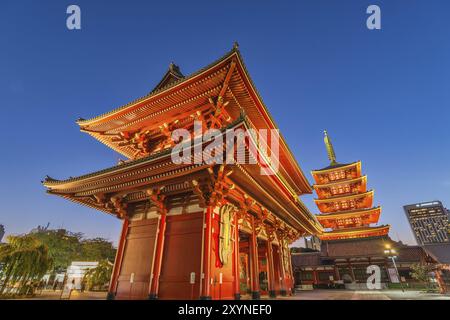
column 429, row 222
column 313, row 243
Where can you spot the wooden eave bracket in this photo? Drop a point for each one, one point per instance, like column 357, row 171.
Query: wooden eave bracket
column 157, row 199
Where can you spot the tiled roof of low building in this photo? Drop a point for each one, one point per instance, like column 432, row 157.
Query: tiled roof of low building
column 440, row 252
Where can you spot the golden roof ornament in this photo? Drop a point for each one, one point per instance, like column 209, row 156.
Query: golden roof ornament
column 330, row 149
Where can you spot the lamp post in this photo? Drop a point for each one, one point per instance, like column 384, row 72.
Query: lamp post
column 392, row 254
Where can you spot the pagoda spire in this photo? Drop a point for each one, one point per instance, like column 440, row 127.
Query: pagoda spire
column 330, row 149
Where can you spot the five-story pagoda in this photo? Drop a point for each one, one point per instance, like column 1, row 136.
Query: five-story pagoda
column 345, row 204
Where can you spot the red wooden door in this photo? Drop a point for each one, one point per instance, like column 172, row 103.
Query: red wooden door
column 134, row 276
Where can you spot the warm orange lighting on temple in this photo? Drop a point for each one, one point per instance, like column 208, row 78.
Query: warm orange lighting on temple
column 194, row 230
column 345, row 204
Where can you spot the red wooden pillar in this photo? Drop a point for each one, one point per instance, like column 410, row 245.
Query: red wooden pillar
column 118, row 260
column 157, row 259
column 205, row 285
column 315, row 278
column 271, row 270
column 441, row 282
column 237, row 289
column 254, row 258
column 291, row 273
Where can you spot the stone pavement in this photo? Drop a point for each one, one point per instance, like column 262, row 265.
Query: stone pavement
column 365, row 295
column 317, row 294
column 75, row 295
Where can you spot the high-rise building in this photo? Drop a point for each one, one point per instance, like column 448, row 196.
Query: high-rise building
column 2, row 232
column 429, row 222
column 313, row 243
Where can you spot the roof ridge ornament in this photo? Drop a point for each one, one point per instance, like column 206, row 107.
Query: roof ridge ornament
column 174, row 68
column 330, row 149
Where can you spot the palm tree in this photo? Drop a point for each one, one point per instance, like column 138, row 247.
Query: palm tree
column 24, row 259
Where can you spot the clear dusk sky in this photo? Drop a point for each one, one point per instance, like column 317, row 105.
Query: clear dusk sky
column 383, row 95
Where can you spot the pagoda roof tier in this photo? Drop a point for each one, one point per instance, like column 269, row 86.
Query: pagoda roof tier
column 178, row 100
column 364, row 217
column 340, row 166
column 334, row 204
column 341, row 187
column 322, row 176
column 363, row 179
column 345, row 197
column 131, row 180
column 354, row 233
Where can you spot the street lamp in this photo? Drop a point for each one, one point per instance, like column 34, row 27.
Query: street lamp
column 392, row 254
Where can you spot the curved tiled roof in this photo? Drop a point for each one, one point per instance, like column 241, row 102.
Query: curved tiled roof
column 157, row 90
column 336, row 166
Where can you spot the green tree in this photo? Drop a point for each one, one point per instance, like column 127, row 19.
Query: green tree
column 420, row 272
column 63, row 246
column 24, row 259
column 100, row 276
column 97, row 249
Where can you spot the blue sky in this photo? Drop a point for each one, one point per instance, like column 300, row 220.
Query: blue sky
column 382, row 95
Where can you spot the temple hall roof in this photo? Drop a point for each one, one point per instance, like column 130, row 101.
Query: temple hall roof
column 440, row 252
column 172, row 75
column 177, row 96
column 306, row 259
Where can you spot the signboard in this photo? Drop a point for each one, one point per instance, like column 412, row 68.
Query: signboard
column 192, row 279
column 393, row 275
column 66, row 292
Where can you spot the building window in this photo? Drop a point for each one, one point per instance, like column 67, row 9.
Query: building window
column 333, row 190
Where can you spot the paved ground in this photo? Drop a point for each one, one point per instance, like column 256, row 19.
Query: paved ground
column 366, row 295
column 75, row 295
column 303, row 295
